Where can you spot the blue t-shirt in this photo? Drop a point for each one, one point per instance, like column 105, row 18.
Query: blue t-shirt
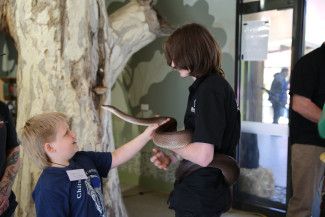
column 56, row 196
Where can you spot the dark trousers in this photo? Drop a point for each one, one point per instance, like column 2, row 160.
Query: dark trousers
column 277, row 112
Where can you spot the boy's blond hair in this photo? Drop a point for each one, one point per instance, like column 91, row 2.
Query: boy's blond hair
column 37, row 131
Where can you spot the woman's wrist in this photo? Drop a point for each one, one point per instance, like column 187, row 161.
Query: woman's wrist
column 174, row 158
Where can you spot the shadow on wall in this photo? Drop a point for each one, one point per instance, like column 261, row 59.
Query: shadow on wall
column 166, row 98
column 170, row 10
column 169, row 97
column 145, row 55
column 177, row 13
column 199, row 13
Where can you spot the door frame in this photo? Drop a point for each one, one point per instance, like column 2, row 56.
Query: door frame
column 298, row 36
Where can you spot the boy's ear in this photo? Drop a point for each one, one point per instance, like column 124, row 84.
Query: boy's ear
column 49, row 147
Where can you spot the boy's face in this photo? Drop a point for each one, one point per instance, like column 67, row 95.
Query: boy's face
column 65, row 143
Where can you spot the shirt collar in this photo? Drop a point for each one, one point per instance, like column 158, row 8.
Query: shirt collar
column 197, row 82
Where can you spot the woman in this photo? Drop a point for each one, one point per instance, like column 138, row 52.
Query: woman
column 212, row 116
column 9, row 161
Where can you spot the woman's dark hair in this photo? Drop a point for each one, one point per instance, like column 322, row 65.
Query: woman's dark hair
column 192, row 47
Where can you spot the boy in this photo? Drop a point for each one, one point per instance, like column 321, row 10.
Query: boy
column 70, row 183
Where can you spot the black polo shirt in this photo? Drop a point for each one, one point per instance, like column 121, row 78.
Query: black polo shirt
column 213, row 117
column 308, row 80
column 8, row 137
column 212, row 113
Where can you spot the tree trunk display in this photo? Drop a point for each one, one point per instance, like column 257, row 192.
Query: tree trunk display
column 70, row 53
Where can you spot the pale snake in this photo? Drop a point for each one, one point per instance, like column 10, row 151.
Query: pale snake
column 166, row 136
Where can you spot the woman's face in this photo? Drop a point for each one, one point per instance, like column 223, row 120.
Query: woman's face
column 182, row 72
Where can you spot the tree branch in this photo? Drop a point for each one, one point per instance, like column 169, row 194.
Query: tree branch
column 136, row 25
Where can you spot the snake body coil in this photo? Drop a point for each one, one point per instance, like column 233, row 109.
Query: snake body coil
column 166, row 136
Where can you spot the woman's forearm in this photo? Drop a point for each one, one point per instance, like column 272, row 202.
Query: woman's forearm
column 199, row 153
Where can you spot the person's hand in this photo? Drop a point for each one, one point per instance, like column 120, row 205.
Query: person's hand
column 4, row 203
column 150, row 129
column 160, row 159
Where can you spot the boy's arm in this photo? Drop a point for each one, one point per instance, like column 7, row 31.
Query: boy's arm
column 8, row 178
column 127, row 151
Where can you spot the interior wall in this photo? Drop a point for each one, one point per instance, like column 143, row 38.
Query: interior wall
column 148, row 81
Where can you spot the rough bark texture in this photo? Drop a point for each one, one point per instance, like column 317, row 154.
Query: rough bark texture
column 70, row 55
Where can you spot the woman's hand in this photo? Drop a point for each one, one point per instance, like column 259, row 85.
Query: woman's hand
column 160, row 159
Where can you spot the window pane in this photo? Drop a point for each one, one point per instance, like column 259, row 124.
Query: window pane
column 315, row 24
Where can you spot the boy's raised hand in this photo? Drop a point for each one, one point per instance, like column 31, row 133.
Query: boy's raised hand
column 150, row 129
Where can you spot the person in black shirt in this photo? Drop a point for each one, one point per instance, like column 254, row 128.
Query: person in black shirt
column 213, row 117
column 9, row 161
column 307, row 91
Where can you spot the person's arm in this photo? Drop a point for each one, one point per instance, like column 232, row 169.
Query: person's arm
column 198, row 153
column 128, row 150
column 8, row 178
column 306, row 108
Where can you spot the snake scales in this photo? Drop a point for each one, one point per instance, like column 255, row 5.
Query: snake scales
column 166, row 136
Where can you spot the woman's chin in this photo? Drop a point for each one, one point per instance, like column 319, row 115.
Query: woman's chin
column 183, row 75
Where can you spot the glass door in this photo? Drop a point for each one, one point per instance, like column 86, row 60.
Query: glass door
column 264, row 64
column 264, row 104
